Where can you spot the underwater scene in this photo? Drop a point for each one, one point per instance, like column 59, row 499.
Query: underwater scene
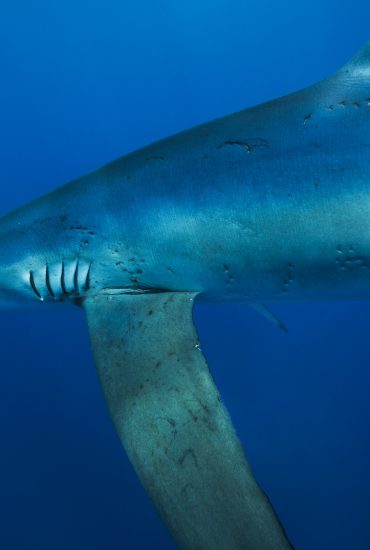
column 84, row 83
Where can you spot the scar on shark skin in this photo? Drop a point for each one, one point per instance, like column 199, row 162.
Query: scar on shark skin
column 247, row 145
column 343, row 103
column 187, row 454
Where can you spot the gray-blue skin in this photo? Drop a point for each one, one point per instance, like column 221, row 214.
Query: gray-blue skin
column 271, row 203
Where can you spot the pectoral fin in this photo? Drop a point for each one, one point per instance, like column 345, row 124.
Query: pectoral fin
column 173, row 425
column 264, row 310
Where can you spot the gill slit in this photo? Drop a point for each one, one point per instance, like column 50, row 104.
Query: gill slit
column 62, row 282
column 87, row 280
column 47, row 281
column 33, row 286
column 75, row 279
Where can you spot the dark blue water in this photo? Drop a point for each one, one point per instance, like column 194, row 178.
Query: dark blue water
column 82, row 83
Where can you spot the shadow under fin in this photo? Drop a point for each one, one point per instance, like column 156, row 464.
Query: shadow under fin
column 173, row 425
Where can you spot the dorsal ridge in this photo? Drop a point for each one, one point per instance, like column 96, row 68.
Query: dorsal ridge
column 359, row 65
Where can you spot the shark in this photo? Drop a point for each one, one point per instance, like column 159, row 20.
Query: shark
column 264, row 205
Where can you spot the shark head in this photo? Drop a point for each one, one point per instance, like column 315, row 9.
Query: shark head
column 34, row 267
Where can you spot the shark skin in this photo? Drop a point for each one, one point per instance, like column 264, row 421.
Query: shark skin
column 268, row 204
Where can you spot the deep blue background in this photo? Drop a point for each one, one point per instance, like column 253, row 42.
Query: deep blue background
column 82, row 83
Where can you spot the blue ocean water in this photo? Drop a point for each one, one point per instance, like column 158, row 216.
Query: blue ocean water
column 83, row 83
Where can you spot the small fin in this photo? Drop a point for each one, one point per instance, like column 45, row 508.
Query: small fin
column 173, row 425
column 263, row 310
column 348, row 84
column 359, row 64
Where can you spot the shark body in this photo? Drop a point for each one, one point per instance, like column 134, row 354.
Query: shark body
column 271, row 203
column 267, row 204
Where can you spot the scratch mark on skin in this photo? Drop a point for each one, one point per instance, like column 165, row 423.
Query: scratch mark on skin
column 341, row 104
column 347, row 259
column 78, row 227
column 188, row 453
column 156, row 157
column 248, row 145
column 193, row 415
column 171, row 422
